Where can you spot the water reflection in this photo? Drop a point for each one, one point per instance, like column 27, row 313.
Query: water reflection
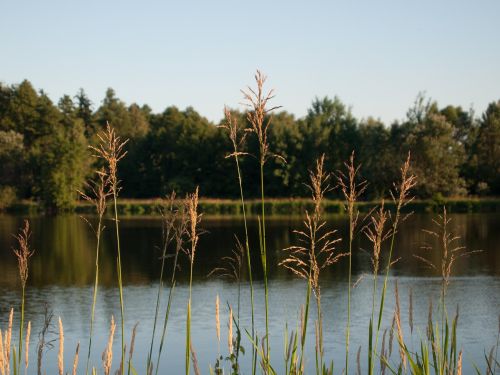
column 65, row 248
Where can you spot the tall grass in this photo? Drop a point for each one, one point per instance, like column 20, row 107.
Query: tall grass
column 99, row 192
column 237, row 140
column 23, row 253
column 193, row 236
column 315, row 252
column 351, row 189
column 110, row 149
column 259, row 117
column 400, row 195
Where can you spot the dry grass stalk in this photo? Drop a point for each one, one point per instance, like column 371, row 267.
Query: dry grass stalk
column 391, row 334
column 258, row 116
column 235, row 135
column 110, row 149
column 27, row 352
column 383, row 356
column 75, row 360
column 195, row 360
column 317, row 248
column 8, row 339
column 352, row 190
column 450, row 252
column 98, row 193
column 397, row 316
column 217, row 320
column 60, row 355
column 132, row 343
column 23, row 253
column 376, row 233
column 2, row 358
column 42, row 343
column 459, row 364
column 107, row 355
column 400, row 192
column 193, row 220
column 410, row 311
column 230, row 331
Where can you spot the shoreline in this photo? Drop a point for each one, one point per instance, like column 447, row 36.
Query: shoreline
column 274, row 206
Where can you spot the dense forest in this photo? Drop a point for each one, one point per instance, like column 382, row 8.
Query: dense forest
column 44, row 153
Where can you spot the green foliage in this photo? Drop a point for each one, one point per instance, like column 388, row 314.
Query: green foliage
column 41, row 145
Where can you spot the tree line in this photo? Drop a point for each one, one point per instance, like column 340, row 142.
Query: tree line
column 44, row 153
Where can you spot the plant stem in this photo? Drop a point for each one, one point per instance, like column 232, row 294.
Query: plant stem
column 21, row 327
column 167, row 313
column 160, row 286
column 120, row 285
column 249, row 263
column 264, row 262
column 95, row 293
column 348, row 328
column 188, row 320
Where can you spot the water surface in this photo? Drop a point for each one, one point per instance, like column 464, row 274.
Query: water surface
column 62, row 274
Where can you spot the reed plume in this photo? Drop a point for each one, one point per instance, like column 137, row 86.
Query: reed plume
column 98, row 195
column 60, row 355
column 107, row 355
column 180, row 235
column 193, row 237
column 352, row 190
column 23, row 253
column 259, row 117
column 376, row 233
column 169, row 215
column 110, row 149
column 316, row 250
column 400, row 194
column 237, row 139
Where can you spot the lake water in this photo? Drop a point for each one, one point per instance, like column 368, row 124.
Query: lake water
column 62, row 271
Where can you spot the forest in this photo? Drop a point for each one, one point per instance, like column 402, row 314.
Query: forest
column 45, row 155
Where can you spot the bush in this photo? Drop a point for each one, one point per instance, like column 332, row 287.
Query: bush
column 7, row 197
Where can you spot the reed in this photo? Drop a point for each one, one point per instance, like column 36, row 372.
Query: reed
column 237, row 140
column 60, row 355
column 23, row 253
column 168, row 213
column 99, row 192
column 107, row 355
column 315, row 252
column 193, row 236
column 400, row 195
column 110, row 149
column 27, row 351
column 376, row 233
column 76, row 359
column 351, row 190
column 180, row 233
column 259, row 117
column 131, row 350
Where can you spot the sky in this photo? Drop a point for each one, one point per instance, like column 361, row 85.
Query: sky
column 376, row 56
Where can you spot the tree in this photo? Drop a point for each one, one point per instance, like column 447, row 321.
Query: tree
column 487, row 149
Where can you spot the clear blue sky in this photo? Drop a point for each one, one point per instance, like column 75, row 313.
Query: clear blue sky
column 375, row 55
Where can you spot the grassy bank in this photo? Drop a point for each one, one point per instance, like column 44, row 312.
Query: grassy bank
column 278, row 206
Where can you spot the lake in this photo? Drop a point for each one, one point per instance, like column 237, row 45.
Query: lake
column 61, row 275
